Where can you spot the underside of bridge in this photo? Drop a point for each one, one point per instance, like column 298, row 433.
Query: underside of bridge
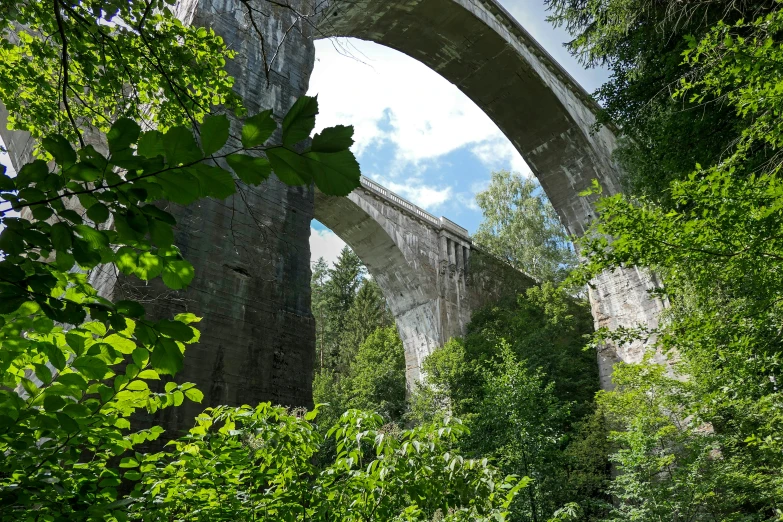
column 251, row 252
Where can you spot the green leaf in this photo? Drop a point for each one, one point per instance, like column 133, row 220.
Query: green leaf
column 166, row 358
column 161, row 215
column 214, row 182
column 180, row 146
column 161, row 233
column 84, row 172
column 300, row 120
column 122, row 134
column 126, row 260
column 140, row 355
column 71, row 215
column 42, row 213
column 250, row 169
column 333, row 139
column 148, row 266
column 90, row 156
column 257, row 129
column 214, row 133
column 56, row 357
column 335, row 173
column 31, row 173
column 60, row 149
column 129, row 308
column 72, row 380
column 121, row 344
column 151, row 144
column 175, row 329
column 96, row 239
column 194, row 394
column 11, row 304
column 129, row 462
column 177, row 274
column 11, row 243
column 61, row 236
column 68, row 424
column 85, row 255
column 187, row 318
column 150, row 375
column 53, row 403
column 64, row 261
column 132, row 476
column 98, row 213
column 180, row 186
column 43, row 373
column 290, row 167
column 6, row 182
column 91, row 367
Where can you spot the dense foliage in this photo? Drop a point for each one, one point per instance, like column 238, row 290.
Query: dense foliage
column 523, row 384
column 705, row 447
column 257, row 464
column 641, row 43
column 130, row 110
column 76, row 366
column 69, row 67
column 348, row 306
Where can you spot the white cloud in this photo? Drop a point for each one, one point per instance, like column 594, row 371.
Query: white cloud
column 326, row 244
column 389, row 96
column 428, row 197
column 499, row 154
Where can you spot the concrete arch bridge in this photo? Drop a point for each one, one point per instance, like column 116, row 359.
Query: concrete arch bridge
column 252, row 254
column 430, row 272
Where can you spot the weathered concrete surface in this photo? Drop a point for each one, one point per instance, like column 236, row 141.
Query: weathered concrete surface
column 479, row 47
column 430, row 273
column 251, row 252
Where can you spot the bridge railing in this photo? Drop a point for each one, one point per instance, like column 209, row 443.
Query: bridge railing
column 419, row 212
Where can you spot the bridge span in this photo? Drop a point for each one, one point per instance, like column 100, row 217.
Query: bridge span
column 431, row 273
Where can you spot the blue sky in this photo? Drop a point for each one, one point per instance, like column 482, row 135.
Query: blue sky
column 415, row 132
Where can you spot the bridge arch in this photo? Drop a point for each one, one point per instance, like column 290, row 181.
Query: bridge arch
column 430, row 273
column 479, row 47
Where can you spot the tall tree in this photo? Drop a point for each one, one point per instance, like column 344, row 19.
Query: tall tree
column 378, row 374
column 707, row 447
column 521, row 227
column 367, row 313
column 524, row 385
column 319, row 306
column 339, row 292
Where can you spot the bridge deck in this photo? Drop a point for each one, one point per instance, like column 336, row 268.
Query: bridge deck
column 417, row 212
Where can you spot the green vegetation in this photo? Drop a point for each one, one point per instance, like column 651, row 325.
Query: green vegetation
column 502, row 380
column 521, row 228
column 703, row 163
